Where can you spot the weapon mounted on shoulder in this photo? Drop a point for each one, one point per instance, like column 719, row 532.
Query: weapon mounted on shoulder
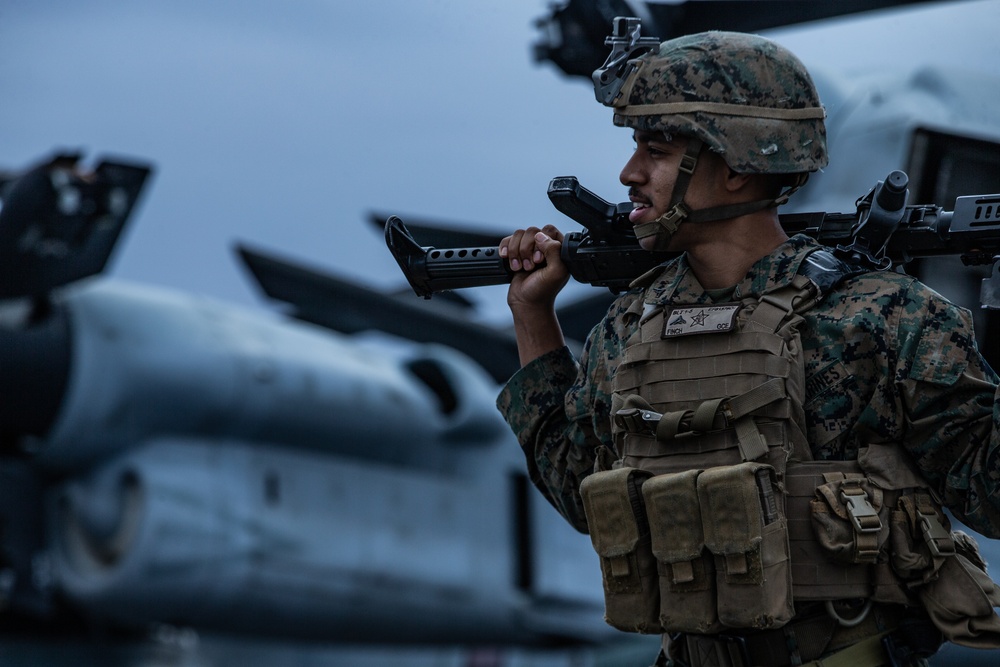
column 883, row 232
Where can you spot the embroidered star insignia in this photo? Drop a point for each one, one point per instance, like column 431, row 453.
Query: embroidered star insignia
column 699, row 318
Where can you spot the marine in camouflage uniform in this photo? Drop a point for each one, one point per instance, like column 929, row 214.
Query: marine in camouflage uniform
column 887, row 359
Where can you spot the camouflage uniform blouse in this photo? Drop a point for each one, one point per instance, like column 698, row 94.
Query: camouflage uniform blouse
column 887, row 360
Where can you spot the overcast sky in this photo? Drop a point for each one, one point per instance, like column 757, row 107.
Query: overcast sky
column 283, row 124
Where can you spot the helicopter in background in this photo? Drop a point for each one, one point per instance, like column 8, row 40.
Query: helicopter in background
column 174, row 462
column 170, row 460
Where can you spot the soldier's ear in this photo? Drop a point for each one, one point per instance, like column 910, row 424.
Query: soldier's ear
column 734, row 181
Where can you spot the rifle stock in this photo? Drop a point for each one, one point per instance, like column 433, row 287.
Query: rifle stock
column 881, row 233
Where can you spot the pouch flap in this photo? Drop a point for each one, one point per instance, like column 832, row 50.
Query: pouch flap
column 674, row 516
column 831, row 494
column 730, row 504
column 611, row 501
column 848, row 520
column 959, row 603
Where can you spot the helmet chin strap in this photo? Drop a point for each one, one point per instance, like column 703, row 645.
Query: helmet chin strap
column 665, row 226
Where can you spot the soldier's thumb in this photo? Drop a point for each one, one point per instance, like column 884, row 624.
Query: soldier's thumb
column 548, row 245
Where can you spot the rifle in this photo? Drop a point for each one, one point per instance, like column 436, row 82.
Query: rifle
column 882, row 233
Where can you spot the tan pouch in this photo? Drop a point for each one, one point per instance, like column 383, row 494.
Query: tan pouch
column 619, row 531
column 750, row 545
column 961, row 600
column 849, row 520
column 687, row 572
column 921, row 538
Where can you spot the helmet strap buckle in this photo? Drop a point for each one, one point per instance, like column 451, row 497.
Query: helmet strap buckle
column 689, row 162
column 672, row 219
column 665, row 226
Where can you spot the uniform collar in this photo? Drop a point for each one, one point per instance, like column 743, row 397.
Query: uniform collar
column 677, row 283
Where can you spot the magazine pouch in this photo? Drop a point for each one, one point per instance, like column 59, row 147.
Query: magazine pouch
column 687, row 570
column 748, row 537
column 619, row 531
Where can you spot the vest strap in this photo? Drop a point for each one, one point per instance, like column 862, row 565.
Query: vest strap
column 765, row 394
column 704, row 415
column 752, row 443
column 669, row 425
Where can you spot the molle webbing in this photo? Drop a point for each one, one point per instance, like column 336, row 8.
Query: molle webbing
column 814, row 575
column 690, row 369
column 719, row 388
column 697, row 357
column 706, row 444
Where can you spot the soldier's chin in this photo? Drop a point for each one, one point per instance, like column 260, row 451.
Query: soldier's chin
column 654, row 242
column 648, row 243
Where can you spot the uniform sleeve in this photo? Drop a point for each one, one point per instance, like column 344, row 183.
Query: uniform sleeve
column 560, row 410
column 558, row 453
column 950, row 403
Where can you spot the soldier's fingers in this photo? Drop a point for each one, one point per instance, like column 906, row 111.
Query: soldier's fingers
column 521, row 250
column 505, row 244
column 510, row 247
column 530, row 253
column 553, row 232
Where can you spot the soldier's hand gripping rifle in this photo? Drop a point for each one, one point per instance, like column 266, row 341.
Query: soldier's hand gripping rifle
column 883, row 232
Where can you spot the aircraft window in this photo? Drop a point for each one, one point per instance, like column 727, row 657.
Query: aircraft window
column 429, row 372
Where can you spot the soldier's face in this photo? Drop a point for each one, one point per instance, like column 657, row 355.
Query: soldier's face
column 651, row 173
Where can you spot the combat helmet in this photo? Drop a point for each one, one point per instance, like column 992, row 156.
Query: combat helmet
column 742, row 96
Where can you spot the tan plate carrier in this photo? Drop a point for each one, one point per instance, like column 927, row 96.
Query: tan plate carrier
column 714, row 516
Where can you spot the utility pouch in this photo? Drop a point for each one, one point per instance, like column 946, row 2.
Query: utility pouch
column 619, row 531
column 947, row 572
column 920, row 537
column 848, row 519
column 687, row 572
column 750, row 545
column 961, row 600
